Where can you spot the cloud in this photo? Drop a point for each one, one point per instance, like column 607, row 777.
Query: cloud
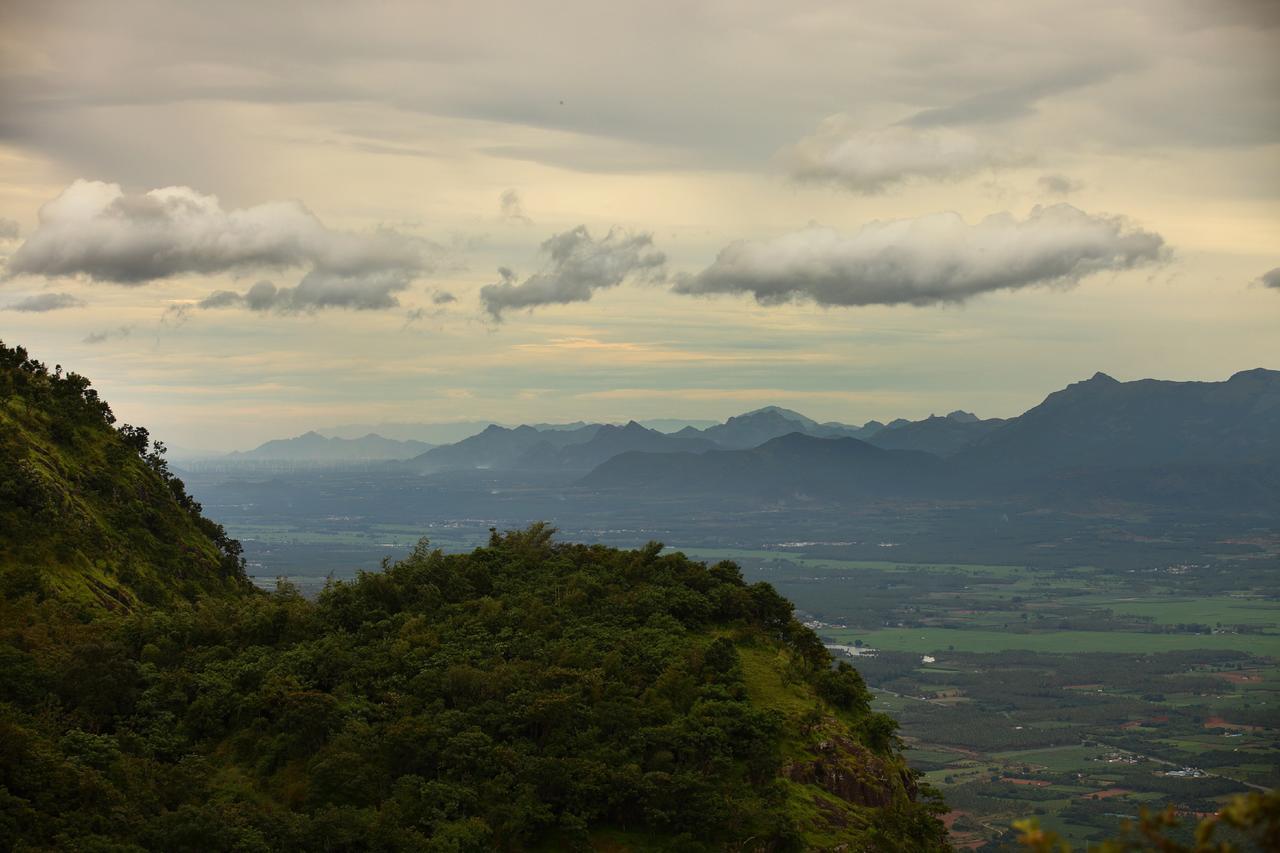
column 442, row 297
column 512, row 208
column 109, row 334
column 869, row 161
column 97, row 230
column 8, row 229
column 314, row 292
column 1019, row 100
column 176, row 315
column 577, row 265
column 1271, row 278
column 935, row 258
column 1059, row 184
column 42, row 302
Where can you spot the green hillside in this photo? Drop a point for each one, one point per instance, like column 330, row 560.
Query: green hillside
column 90, row 512
column 530, row 695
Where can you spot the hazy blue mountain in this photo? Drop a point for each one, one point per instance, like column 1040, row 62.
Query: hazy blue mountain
column 431, row 433
column 609, row 441
column 314, row 447
column 1101, row 423
column 752, row 429
column 941, row 436
column 672, row 425
column 1168, row 443
column 793, row 465
column 499, row 447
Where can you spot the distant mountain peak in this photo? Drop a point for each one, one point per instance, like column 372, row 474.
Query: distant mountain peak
column 779, row 411
column 1257, row 373
column 962, row 417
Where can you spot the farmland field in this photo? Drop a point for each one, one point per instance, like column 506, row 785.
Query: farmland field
column 1110, row 691
column 1075, row 673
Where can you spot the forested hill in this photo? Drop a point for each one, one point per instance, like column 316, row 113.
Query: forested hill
column 89, row 511
column 530, row 695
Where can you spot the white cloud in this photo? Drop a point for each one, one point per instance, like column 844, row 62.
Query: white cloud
column 97, row 230
column 869, row 161
column 1059, row 184
column 42, row 302
column 935, row 258
column 511, row 207
column 109, row 334
column 577, row 265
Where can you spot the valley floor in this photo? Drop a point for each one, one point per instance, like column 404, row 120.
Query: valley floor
column 1127, row 658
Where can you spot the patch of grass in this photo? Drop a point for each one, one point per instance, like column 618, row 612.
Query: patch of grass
column 764, row 671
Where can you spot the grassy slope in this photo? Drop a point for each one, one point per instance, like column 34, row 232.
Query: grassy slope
column 83, row 514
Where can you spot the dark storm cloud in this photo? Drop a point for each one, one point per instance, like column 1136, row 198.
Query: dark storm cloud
column 932, row 259
column 576, row 266
column 1271, row 278
column 42, row 302
column 97, row 230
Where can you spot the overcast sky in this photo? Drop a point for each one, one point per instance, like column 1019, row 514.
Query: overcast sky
column 243, row 220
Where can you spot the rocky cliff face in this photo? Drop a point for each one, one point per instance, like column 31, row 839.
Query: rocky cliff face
column 850, row 771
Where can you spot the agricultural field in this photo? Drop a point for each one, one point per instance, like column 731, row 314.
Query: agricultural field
column 1111, row 691
column 1071, row 669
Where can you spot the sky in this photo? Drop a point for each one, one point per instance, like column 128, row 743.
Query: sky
column 246, row 220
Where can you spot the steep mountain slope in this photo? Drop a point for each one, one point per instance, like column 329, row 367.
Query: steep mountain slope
column 90, row 512
column 1104, row 424
column 314, row 447
column 793, row 464
column 941, row 436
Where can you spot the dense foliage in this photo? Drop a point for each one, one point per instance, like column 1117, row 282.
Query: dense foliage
column 90, row 511
column 529, row 694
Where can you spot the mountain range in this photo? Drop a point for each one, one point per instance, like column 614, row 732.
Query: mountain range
column 1202, row 444
column 314, row 447
column 1189, row 442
